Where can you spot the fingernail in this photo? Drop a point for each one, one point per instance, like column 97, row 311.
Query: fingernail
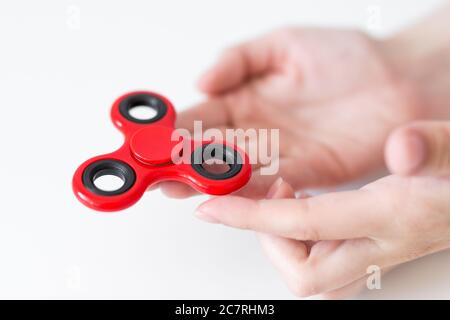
column 274, row 188
column 204, row 212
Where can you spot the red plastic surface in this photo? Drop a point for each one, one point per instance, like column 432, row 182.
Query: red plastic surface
column 147, row 149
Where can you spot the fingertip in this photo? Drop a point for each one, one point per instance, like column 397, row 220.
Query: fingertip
column 225, row 74
column 280, row 189
column 206, row 82
column 258, row 186
column 206, row 211
column 405, row 151
column 225, row 209
column 216, row 77
column 273, row 190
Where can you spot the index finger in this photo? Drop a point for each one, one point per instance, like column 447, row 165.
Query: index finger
column 333, row 216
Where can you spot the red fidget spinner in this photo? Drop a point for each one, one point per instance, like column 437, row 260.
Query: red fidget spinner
column 146, row 157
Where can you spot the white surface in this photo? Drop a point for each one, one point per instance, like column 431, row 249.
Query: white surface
column 58, row 79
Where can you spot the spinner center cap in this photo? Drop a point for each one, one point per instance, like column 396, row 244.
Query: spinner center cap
column 153, row 145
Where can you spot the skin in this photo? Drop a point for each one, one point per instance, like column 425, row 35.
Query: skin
column 291, row 80
column 347, row 106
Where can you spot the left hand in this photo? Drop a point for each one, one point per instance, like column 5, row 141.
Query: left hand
column 323, row 245
column 292, row 80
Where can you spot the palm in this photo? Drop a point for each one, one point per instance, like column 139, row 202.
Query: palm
column 331, row 94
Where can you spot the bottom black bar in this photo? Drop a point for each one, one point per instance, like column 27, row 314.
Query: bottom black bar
column 217, row 309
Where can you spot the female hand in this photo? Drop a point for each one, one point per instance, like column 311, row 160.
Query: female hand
column 324, row 244
column 334, row 95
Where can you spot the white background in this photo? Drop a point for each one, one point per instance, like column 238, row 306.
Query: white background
column 62, row 63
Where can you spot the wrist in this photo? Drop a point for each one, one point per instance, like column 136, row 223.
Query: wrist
column 421, row 55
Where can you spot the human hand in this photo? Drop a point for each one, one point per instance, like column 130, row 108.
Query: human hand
column 323, row 245
column 333, row 94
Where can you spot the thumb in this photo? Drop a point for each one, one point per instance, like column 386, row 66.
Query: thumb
column 238, row 64
column 419, row 148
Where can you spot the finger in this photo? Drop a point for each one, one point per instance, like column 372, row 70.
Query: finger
column 280, row 189
column 332, row 265
column 342, row 215
column 420, row 148
column 283, row 253
column 238, row 64
column 263, row 177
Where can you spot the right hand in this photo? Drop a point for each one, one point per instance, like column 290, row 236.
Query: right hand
column 326, row 245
